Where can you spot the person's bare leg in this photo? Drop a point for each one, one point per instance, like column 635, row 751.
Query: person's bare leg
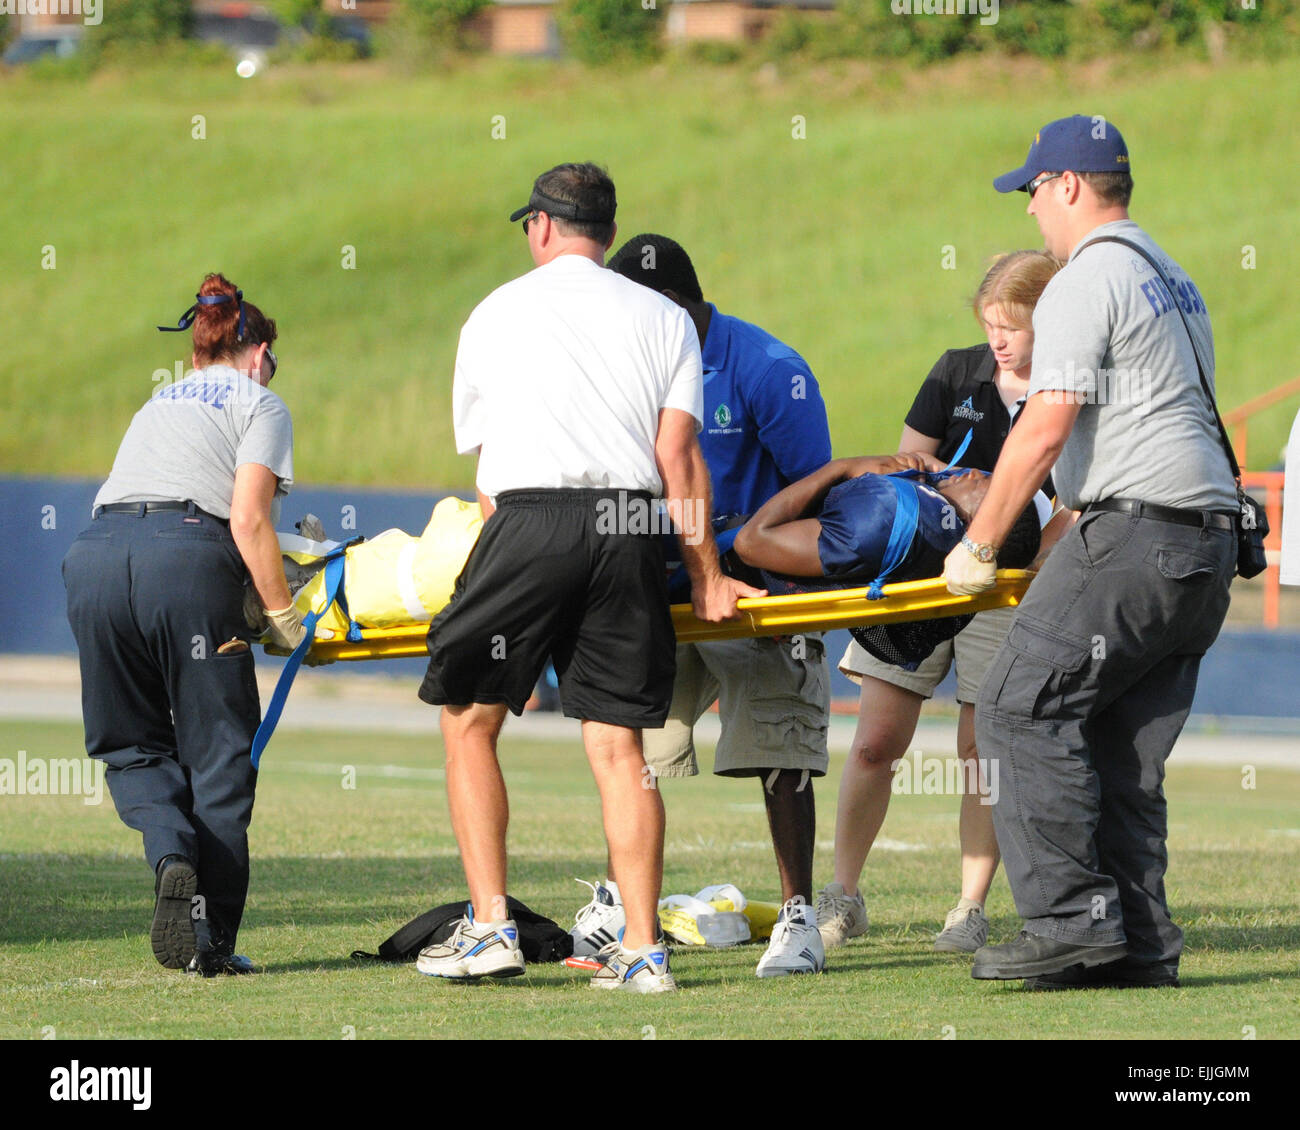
column 476, row 796
column 633, row 814
column 979, row 842
column 887, row 717
column 792, row 817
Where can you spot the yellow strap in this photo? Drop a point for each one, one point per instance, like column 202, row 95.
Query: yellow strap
column 762, row 616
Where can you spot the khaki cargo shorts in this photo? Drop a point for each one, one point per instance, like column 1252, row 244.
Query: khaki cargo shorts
column 972, row 648
column 773, row 704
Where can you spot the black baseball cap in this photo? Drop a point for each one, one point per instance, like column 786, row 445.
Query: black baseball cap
column 1079, row 144
column 563, row 209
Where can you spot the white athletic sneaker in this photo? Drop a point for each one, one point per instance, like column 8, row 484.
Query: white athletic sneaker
column 600, row 922
column 840, row 916
column 474, row 950
column 796, row 945
column 643, row 970
column 964, row 930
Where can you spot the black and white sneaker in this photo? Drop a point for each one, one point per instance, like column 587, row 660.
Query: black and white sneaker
column 796, row 945
column 600, row 922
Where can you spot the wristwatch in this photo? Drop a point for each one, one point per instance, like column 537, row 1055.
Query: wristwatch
column 982, row 553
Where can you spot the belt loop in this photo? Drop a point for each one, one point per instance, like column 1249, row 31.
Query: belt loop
column 144, row 509
column 190, row 508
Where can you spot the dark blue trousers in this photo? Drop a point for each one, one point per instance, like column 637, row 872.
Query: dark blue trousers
column 150, row 599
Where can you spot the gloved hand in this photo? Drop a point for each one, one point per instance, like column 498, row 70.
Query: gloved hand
column 285, row 627
column 254, row 614
column 965, row 574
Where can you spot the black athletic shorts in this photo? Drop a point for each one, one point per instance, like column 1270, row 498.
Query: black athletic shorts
column 552, row 577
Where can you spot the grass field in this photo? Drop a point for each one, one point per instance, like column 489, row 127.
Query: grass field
column 338, row 869
column 835, row 241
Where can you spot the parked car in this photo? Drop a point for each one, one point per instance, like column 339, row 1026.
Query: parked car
column 246, row 32
column 60, row 42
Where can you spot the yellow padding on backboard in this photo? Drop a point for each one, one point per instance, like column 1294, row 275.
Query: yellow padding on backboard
column 762, row 616
column 394, row 579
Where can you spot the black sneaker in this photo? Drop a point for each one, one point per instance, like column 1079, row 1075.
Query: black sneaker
column 1122, row 974
column 1032, row 955
column 220, row 963
column 172, row 932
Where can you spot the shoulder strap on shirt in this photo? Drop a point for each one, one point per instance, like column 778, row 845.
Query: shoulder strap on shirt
column 1200, row 369
column 907, row 516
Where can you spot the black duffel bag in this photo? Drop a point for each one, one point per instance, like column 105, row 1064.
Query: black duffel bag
column 540, row 939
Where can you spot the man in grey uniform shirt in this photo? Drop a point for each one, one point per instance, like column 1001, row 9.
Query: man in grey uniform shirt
column 1084, row 701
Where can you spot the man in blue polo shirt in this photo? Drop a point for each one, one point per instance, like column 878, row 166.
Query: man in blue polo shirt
column 764, row 428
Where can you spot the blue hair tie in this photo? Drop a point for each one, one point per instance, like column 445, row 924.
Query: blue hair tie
column 187, row 319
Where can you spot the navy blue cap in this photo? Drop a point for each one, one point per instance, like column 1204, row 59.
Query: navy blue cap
column 1079, row 144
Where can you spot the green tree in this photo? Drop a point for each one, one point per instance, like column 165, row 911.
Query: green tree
column 143, row 22
column 419, row 30
column 605, row 31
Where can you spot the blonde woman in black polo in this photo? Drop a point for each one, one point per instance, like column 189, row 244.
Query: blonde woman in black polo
column 974, row 392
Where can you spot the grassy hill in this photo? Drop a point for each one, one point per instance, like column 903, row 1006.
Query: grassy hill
column 834, row 242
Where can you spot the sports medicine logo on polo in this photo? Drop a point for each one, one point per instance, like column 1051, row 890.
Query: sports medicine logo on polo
column 987, row 9
column 75, row 1083
column 723, row 418
column 966, row 411
column 90, row 11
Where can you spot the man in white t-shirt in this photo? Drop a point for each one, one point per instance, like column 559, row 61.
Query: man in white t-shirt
column 581, row 393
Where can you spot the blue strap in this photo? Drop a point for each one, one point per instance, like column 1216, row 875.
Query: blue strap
column 907, row 514
column 333, row 583
column 961, row 449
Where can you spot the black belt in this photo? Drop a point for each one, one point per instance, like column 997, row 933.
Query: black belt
column 140, row 509
column 1212, row 519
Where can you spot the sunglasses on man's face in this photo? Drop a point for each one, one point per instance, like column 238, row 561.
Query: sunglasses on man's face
column 528, row 219
column 270, row 356
column 1035, row 185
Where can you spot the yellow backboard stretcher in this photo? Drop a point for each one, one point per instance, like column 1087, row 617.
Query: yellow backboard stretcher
column 762, row 616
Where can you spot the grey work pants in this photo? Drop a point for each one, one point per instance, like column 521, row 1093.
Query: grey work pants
column 1079, row 711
